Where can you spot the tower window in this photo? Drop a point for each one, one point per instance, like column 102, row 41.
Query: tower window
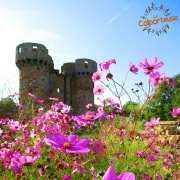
column 19, row 50
column 35, row 48
column 35, row 61
column 86, row 64
column 28, row 60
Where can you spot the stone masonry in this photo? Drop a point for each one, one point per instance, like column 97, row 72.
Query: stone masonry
column 37, row 75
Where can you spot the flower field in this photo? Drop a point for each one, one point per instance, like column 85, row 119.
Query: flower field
column 101, row 144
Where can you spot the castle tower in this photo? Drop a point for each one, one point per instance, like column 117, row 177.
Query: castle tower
column 83, row 84
column 35, row 66
column 78, row 86
column 73, row 86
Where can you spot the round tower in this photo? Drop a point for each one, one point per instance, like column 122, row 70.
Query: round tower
column 83, row 84
column 35, row 66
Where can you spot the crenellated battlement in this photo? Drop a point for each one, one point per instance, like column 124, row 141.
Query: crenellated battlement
column 80, row 74
column 81, row 67
column 85, row 66
column 33, row 54
column 67, row 68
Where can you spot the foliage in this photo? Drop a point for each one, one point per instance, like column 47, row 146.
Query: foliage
column 7, row 108
column 164, row 102
column 130, row 106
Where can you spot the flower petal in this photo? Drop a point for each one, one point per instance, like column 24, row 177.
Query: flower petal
column 141, row 65
column 126, row 176
column 112, row 61
column 153, row 61
column 100, row 115
column 83, row 142
column 160, row 64
column 50, row 141
column 78, row 149
column 110, row 174
column 72, row 138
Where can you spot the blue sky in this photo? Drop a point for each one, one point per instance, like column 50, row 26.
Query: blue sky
column 95, row 29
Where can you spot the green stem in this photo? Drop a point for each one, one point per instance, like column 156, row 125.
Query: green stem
column 117, row 93
column 124, row 82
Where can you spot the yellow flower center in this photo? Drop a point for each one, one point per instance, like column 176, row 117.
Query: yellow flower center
column 89, row 117
column 66, row 145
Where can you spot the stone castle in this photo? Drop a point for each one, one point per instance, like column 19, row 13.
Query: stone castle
column 73, row 85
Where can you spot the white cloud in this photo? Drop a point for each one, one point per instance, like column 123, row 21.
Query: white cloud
column 46, row 34
column 114, row 18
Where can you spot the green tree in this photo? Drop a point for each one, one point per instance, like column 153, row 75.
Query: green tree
column 164, row 102
column 130, row 106
column 8, row 108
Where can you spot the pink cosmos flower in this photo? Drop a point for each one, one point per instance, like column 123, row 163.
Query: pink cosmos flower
column 153, row 122
column 88, row 106
column 175, row 175
column 41, row 172
column 66, row 109
column 66, row 177
column 100, row 109
column 176, row 112
column 109, row 100
column 105, row 65
column 171, row 82
column 19, row 105
column 12, row 95
column 133, row 68
column 98, row 90
column 40, row 101
column 88, row 118
column 111, row 175
column 96, row 76
column 16, row 166
column 93, row 173
column 27, row 159
column 69, row 144
column 79, row 168
column 115, row 105
column 99, row 146
column 32, row 95
column 14, row 125
column 156, row 78
column 151, row 66
column 4, row 121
